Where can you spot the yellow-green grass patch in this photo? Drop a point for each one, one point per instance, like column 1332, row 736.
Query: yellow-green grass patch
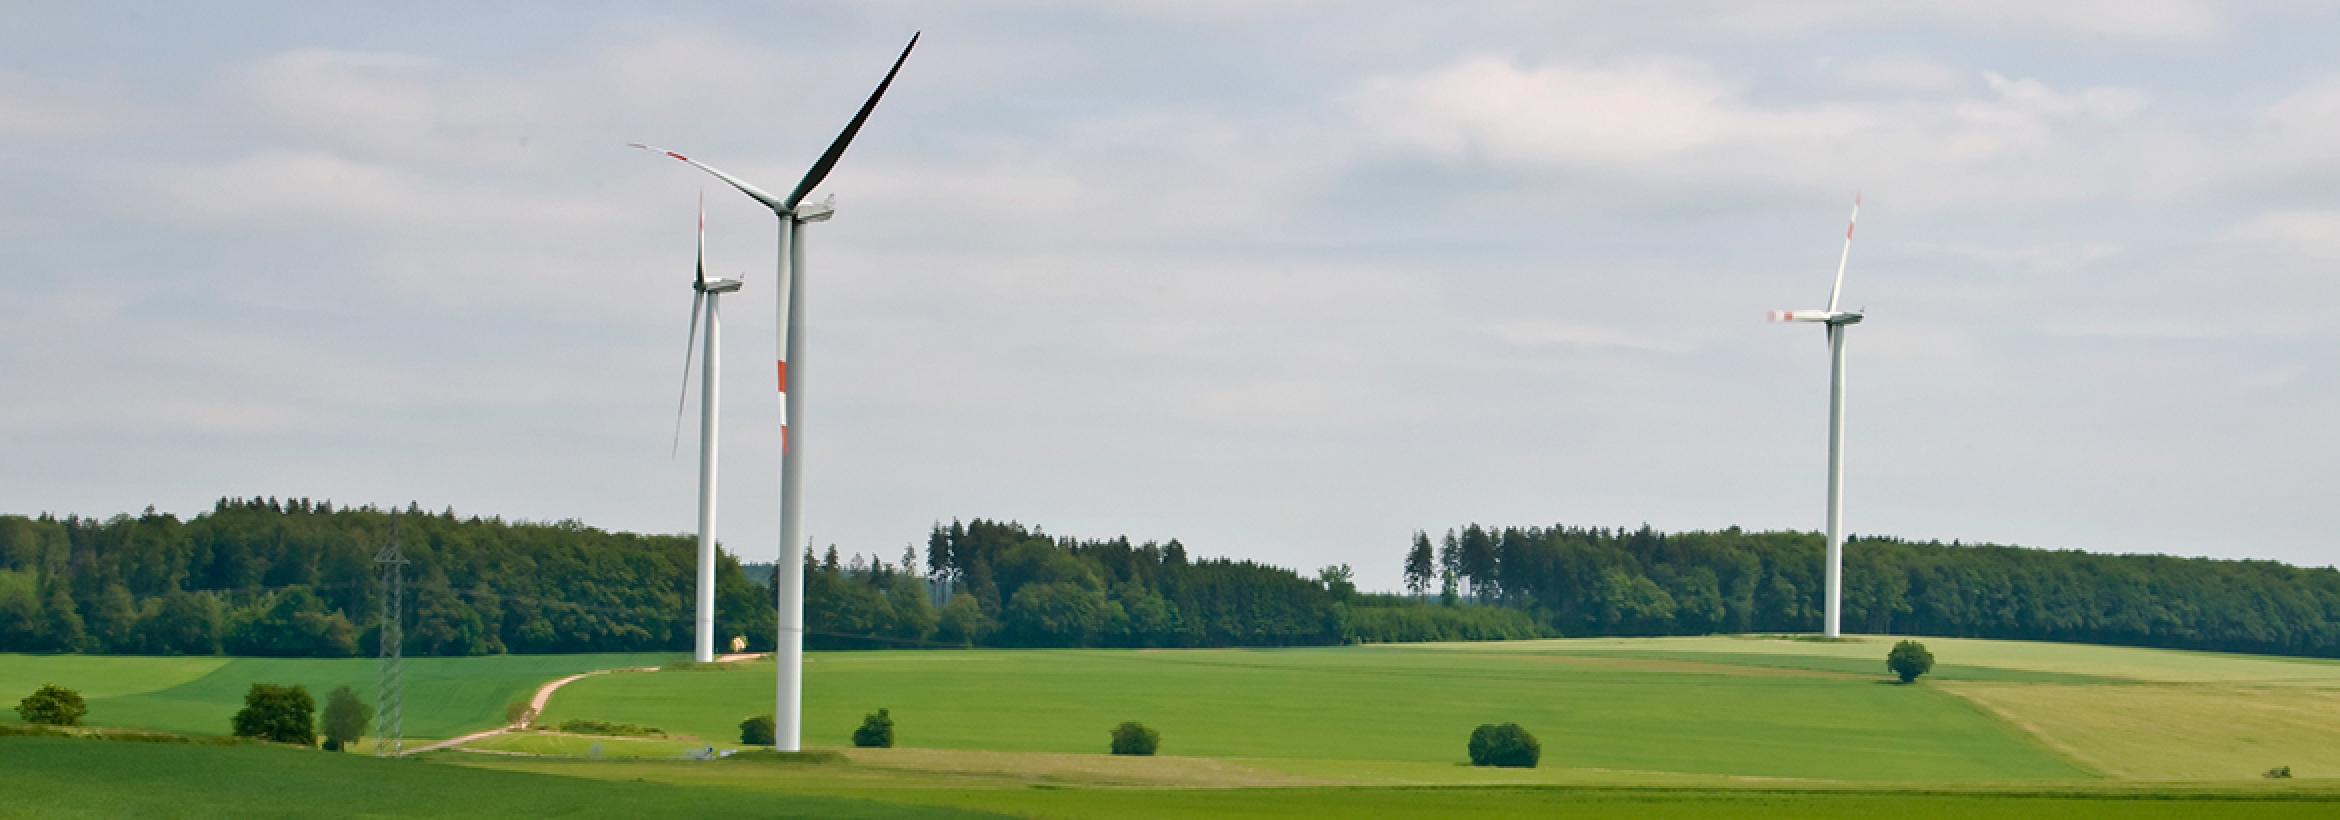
column 2176, row 731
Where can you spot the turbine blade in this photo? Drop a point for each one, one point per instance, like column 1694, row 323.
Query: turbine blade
column 753, row 192
column 690, row 347
column 820, row 170
column 701, row 282
column 1838, row 290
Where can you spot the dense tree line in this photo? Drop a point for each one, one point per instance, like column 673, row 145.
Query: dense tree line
column 297, row 578
column 1011, row 586
column 1021, row 587
column 1593, row 581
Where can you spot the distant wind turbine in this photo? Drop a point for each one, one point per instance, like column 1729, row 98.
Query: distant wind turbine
column 1837, row 322
column 706, row 293
column 788, row 577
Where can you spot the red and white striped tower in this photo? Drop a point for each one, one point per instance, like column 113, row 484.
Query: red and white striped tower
column 788, row 579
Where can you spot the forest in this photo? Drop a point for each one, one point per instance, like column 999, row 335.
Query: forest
column 296, row 577
column 1591, row 581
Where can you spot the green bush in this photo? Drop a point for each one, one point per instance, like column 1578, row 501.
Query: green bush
column 346, row 718
column 52, row 705
column 1133, row 738
column 1908, row 660
column 758, row 731
column 278, row 714
column 589, row 726
column 2278, row 773
column 1507, row 745
column 876, row 732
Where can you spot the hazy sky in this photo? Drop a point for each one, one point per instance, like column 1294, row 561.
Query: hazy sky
column 1286, row 281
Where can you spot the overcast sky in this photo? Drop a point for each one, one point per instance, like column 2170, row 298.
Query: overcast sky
column 1286, row 281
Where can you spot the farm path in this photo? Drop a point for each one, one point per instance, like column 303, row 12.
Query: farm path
column 535, row 706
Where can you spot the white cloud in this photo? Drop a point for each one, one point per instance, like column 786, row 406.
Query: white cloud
column 2315, row 233
column 1540, row 332
column 2145, row 20
column 1902, row 74
column 1672, row 117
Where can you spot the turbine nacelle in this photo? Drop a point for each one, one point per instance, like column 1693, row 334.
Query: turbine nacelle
column 1832, row 317
column 717, row 285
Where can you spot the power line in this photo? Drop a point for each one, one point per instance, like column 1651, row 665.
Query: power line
column 390, row 690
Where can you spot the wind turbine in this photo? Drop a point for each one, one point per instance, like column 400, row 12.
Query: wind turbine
column 705, row 293
column 1837, row 322
column 788, row 577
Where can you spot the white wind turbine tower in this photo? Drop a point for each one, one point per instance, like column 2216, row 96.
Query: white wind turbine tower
column 706, row 293
column 1837, row 322
column 788, row 577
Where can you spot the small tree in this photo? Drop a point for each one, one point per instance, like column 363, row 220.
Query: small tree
column 346, row 718
column 1133, row 738
column 52, row 704
column 1507, row 745
column 282, row 714
column 760, row 730
column 1908, row 660
column 876, row 732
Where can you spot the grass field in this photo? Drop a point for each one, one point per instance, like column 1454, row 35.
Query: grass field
column 61, row 778
column 1741, row 706
column 1663, row 728
column 1363, row 704
column 445, row 697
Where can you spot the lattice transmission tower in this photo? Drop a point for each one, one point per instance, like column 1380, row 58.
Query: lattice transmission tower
column 390, row 693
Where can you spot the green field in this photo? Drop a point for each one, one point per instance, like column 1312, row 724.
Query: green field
column 1670, row 727
column 445, row 697
column 1364, row 704
column 58, row 778
column 62, row 778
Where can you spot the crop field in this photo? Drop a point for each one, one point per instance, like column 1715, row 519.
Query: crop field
column 445, row 697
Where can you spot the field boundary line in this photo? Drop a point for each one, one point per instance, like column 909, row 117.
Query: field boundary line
column 2028, row 730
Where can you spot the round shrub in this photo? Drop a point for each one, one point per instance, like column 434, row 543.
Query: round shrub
column 52, row 705
column 876, row 732
column 1908, row 660
column 281, row 714
column 1133, row 738
column 760, row 730
column 1507, row 745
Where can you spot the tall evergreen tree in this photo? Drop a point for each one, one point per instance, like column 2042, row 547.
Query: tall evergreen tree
column 1421, row 565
